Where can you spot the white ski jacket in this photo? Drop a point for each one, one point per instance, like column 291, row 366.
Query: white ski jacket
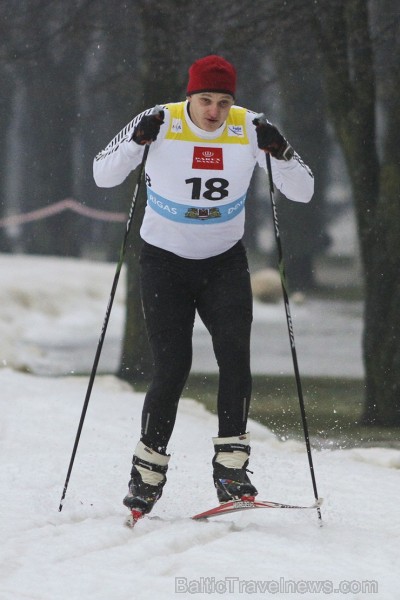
column 197, row 180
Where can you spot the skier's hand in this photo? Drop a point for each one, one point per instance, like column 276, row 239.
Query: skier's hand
column 148, row 128
column 271, row 140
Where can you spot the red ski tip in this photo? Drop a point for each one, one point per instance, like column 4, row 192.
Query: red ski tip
column 134, row 517
column 137, row 514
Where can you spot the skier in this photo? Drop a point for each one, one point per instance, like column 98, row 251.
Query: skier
column 202, row 155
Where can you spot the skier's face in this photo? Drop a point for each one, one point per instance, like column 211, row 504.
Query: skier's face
column 209, row 110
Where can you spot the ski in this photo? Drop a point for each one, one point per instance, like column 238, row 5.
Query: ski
column 248, row 504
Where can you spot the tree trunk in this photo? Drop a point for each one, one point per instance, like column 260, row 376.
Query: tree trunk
column 382, row 320
column 346, row 43
column 160, row 83
column 136, row 362
column 303, row 227
column 8, row 91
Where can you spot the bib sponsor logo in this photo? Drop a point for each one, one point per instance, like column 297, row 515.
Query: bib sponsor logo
column 203, row 214
column 235, row 130
column 207, row 158
column 176, row 126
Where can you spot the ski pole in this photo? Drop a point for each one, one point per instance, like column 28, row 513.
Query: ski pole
column 156, row 110
column 261, row 119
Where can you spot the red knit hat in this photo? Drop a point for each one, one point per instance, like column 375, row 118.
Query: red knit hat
column 212, row 74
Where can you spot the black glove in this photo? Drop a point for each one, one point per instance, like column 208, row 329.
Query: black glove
column 148, row 128
column 271, row 140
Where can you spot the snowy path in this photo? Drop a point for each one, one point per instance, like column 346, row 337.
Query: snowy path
column 53, row 310
column 85, row 552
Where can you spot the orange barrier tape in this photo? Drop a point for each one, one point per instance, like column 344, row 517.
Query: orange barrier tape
column 57, row 207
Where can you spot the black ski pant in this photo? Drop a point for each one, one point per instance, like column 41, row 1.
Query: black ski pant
column 172, row 289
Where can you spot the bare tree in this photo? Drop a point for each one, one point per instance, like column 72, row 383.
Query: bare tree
column 83, row 68
column 41, row 48
column 274, row 46
column 345, row 40
column 160, row 81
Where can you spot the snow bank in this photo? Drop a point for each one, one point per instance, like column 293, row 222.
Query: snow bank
column 50, row 302
column 86, row 553
column 53, row 311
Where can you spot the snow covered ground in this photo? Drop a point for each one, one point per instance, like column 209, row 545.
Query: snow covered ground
column 86, row 553
column 53, row 311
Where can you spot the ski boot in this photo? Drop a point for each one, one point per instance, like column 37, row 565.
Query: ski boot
column 230, row 468
column 147, row 481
